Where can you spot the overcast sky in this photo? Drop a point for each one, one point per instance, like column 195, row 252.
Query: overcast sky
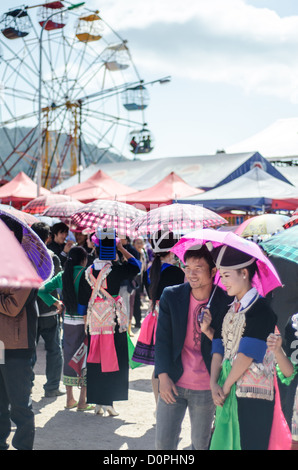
column 234, row 67
column 233, row 63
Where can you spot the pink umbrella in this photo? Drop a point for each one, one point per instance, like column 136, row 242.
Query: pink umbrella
column 16, row 270
column 34, row 249
column 23, row 216
column 105, row 213
column 176, row 217
column 63, row 210
column 41, row 203
column 267, row 277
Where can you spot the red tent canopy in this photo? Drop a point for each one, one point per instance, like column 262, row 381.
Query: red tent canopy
column 289, row 204
column 98, row 186
column 169, row 189
column 20, row 190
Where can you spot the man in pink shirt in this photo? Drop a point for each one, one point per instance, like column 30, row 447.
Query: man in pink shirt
column 183, row 352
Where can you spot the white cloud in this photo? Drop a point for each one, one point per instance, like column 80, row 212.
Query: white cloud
column 216, row 41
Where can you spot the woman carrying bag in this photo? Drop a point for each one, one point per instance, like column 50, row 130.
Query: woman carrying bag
column 107, row 324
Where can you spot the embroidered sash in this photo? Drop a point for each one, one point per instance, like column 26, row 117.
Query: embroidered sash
column 258, row 380
column 102, row 311
column 103, row 308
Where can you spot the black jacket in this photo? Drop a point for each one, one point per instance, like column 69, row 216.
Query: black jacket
column 58, row 250
column 43, row 308
column 172, row 325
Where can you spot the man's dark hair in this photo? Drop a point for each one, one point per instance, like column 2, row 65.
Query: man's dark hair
column 200, row 253
column 42, row 230
column 59, row 227
column 14, row 226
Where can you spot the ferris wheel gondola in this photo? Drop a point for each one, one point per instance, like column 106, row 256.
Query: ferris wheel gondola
column 89, row 28
column 116, row 57
column 46, row 10
column 15, row 24
column 135, row 98
column 141, row 141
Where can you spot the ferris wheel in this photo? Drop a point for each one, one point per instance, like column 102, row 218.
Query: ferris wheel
column 92, row 98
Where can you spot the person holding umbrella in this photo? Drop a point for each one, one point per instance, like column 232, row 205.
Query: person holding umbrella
column 188, row 315
column 18, row 328
column 161, row 274
column 107, row 321
column 242, row 370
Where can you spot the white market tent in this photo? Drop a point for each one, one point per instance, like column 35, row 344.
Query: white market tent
column 278, row 143
column 254, row 190
column 206, row 171
column 280, row 139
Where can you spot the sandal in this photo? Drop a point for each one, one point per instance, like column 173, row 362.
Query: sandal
column 87, row 408
column 71, row 406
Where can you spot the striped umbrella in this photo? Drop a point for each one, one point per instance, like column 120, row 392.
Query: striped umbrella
column 292, row 221
column 41, row 203
column 284, row 244
column 177, row 217
column 105, row 214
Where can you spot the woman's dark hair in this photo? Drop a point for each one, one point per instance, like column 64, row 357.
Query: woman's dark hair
column 77, row 255
column 202, row 252
column 252, row 270
column 155, row 272
column 14, row 226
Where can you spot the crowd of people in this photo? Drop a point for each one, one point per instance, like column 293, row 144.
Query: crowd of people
column 216, row 348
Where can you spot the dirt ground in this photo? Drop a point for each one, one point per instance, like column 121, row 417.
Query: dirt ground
column 133, row 429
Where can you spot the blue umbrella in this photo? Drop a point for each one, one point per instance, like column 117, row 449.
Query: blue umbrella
column 284, row 244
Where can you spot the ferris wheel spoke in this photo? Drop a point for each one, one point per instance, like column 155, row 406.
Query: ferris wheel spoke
column 12, row 70
column 98, row 153
column 19, row 94
column 29, row 52
column 84, row 75
column 94, row 61
column 49, row 166
column 15, row 149
column 78, row 64
column 67, row 47
column 109, row 117
column 100, row 139
column 16, row 58
column 15, row 118
column 52, row 81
